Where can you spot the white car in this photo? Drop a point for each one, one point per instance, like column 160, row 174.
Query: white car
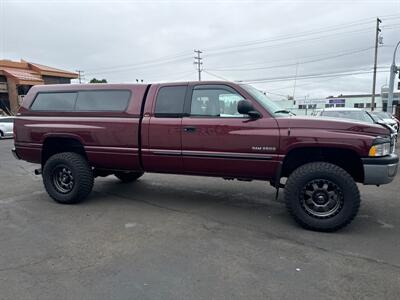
column 355, row 114
column 387, row 119
column 6, row 126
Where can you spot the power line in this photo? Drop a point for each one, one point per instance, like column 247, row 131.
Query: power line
column 339, row 34
column 285, row 37
column 140, row 65
column 216, row 76
column 182, row 55
column 363, row 21
column 294, row 64
column 294, row 59
column 175, row 76
column 279, row 45
column 308, row 76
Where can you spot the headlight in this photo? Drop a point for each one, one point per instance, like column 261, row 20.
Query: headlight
column 380, row 150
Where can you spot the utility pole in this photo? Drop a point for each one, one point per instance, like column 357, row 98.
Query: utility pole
column 378, row 21
column 295, row 79
column 198, row 62
column 80, row 75
column 393, row 71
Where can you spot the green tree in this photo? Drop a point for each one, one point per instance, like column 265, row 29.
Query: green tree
column 94, row 80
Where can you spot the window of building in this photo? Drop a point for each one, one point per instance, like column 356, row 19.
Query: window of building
column 215, row 101
column 110, row 100
column 54, row 101
column 170, row 101
column 328, row 105
column 359, row 105
column 340, row 105
column 302, row 106
column 312, row 106
column 368, row 105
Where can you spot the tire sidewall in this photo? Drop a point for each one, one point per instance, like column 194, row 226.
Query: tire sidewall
column 350, row 201
column 48, row 170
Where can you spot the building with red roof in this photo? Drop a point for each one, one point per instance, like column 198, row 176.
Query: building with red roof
column 16, row 78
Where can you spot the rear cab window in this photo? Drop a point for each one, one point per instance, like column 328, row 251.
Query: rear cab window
column 170, row 101
column 84, row 101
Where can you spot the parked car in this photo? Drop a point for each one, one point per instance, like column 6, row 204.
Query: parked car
column 355, row 114
column 387, row 118
column 221, row 129
column 6, row 126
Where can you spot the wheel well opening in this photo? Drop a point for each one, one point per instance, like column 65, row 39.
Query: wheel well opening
column 344, row 158
column 53, row 146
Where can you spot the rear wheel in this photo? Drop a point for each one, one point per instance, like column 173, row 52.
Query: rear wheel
column 322, row 196
column 68, row 177
column 128, row 176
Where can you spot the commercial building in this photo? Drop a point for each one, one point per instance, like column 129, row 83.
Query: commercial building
column 16, row 78
column 307, row 106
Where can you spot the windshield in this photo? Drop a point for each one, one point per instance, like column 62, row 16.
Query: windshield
column 381, row 114
column 271, row 106
column 353, row 115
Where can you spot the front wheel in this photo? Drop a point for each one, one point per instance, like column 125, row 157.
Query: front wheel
column 322, row 196
column 68, row 177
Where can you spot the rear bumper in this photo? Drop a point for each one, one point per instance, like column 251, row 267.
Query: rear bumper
column 15, row 154
column 380, row 170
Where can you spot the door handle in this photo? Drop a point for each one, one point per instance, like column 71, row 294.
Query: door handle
column 189, row 129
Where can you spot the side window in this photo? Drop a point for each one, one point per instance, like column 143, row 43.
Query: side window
column 215, row 102
column 54, row 101
column 170, row 101
column 111, row 100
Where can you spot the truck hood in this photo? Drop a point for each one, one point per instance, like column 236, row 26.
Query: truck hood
column 332, row 124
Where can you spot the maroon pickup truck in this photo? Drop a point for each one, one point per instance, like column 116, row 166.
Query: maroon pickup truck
column 222, row 129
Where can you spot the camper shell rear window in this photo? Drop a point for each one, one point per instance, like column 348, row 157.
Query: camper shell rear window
column 84, row 101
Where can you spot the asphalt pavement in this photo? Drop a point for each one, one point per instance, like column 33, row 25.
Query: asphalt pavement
column 187, row 237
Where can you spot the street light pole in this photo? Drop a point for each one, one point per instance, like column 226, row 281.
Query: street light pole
column 393, row 71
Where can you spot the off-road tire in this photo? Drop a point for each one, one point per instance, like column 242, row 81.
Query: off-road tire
column 81, row 172
column 295, row 190
column 127, row 177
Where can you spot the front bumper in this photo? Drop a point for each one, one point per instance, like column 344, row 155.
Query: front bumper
column 15, row 154
column 380, row 170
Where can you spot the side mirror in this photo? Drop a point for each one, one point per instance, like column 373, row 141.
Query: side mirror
column 245, row 107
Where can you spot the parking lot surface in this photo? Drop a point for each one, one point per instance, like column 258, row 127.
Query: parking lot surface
column 182, row 237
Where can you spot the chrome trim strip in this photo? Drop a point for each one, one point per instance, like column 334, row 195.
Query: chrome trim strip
column 234, row 155
column 28, row 145
column 165, row 151
column 111, row 149
column 209, row 154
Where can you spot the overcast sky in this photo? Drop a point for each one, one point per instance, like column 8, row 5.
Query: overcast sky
column 263, row 42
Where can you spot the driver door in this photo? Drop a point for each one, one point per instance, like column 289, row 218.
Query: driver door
column 218, row 141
